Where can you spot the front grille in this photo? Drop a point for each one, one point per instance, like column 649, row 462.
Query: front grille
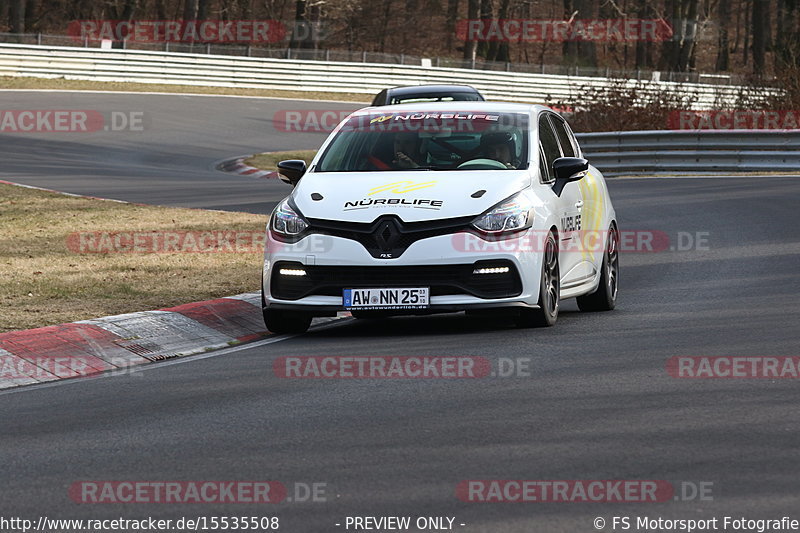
column 387, row 237
column 442, row 279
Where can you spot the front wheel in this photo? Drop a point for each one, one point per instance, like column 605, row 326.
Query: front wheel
column 549, row 290
column 605, row 297
column 286, row 321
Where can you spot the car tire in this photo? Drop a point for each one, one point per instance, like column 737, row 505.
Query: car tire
column 549, row 290
column 604, row 298
column 283, row 321
column 286, row 321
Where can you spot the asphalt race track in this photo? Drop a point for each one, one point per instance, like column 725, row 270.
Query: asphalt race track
column 180, row 139
column 598, row 403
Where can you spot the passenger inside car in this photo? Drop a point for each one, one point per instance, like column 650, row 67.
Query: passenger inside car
column 402, row 152
column 500, row 146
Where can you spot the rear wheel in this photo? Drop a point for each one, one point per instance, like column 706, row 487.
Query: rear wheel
column 605, row 297
column 549, row 290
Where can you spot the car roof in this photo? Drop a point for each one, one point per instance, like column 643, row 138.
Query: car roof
column 430, row 89
column 483, row 107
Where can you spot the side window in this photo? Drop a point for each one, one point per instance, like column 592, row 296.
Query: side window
column 564, row 137
column 578, row 151
column 549, row 145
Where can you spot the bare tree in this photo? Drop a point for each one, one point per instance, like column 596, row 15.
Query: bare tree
column 471, row 45
column 190, row 8
column 579, row 52
column 452, row 17
column 16, row 16
column 760, row 35
column 723, row 42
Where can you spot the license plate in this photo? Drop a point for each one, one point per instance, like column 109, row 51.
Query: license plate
column 399, row 298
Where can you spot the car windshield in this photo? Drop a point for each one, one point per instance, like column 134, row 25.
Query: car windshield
column 449, row 97
column 429, row 141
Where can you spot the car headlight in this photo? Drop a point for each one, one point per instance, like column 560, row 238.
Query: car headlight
column 286, row 222
column 512, row 215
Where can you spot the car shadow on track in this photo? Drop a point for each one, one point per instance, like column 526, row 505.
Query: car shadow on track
column 438, row 324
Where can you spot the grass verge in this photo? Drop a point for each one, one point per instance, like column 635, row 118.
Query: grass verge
column 13, row 82
column 44, row 281
column 269, row 160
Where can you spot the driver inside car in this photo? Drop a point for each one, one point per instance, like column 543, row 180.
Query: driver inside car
column 500, row 146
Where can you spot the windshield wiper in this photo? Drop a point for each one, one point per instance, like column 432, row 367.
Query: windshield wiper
column 429, row 167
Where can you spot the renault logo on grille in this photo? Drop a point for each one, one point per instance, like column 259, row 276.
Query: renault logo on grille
column 387, row 235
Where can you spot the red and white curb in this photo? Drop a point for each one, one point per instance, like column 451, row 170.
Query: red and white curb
column 120, row 342
column 238, row 166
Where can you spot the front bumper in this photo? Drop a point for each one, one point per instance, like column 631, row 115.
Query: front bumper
column 331, row 264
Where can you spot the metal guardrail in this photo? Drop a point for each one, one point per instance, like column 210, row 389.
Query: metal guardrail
column 701, row 151
column 296, row 75
column 363, row 56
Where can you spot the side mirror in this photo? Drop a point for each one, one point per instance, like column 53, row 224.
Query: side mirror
column 568, row 169
column 291, row 170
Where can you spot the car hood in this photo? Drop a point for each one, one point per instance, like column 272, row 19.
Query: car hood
column 413, row 196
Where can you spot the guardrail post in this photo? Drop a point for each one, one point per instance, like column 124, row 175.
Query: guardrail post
column 247, row 52
column 38, row 39
column 85, row 42
column 327, row 54
column 363, row 56
column 508, row 66
column 208, row 48
column 288, row 53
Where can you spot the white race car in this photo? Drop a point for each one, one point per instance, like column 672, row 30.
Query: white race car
column 431, row 208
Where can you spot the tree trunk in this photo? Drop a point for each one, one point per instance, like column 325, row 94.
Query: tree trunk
column 642, row 59
column 723, row 42
column 760, row 21
column 669, row 49
column 161, row 11
column 688, row 36
column 471, row 46
column 16, row 16
column 3, row 10
column 202, row 10
column 452, row 18
column 487, row 13
column 190, row 10
column 583, row 53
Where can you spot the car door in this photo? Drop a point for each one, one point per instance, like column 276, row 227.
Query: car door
column 586, row 208
column 568, row 206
